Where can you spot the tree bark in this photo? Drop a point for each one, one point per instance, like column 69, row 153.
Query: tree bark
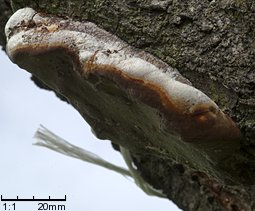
column 5, row 13
column 212, row 44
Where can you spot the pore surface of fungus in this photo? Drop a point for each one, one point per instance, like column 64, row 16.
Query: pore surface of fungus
column 120, row 90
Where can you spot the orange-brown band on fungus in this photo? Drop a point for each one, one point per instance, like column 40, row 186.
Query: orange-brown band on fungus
column 203, row 123
column 203, row 113
column 149, row 93
column 192, row 126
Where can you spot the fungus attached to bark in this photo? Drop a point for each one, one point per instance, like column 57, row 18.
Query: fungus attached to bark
column 47, row 46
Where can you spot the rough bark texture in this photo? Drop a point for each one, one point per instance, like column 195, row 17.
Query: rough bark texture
column 5, row 13
column 212, row 44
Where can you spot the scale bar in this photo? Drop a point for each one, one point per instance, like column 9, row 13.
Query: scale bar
column 33, row 199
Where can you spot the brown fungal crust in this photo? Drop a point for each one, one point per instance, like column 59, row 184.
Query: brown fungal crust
column 204, row 124
column 190, row 115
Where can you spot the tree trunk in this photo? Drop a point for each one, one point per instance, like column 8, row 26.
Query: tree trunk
column 211, row 43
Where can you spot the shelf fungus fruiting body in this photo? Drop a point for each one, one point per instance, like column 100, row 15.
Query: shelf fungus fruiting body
column 97, row 56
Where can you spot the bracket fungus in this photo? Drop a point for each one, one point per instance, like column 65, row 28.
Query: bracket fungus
column 99, row 73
